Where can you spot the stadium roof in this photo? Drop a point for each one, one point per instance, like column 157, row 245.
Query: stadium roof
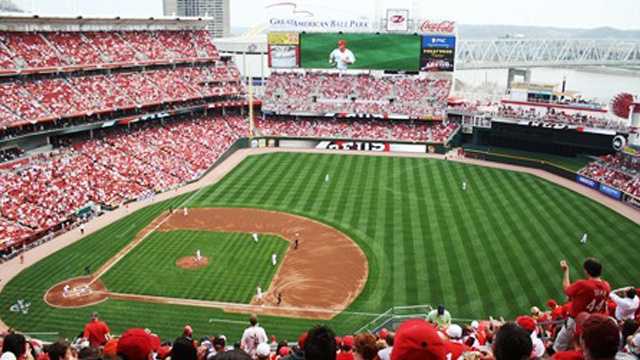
column 30, row 22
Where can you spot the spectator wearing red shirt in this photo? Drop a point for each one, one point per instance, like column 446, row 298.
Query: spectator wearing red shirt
column 588, row 295
column 96, row 331
column 346, row 349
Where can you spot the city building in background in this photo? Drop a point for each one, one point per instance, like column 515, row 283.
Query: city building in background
column 218, row 10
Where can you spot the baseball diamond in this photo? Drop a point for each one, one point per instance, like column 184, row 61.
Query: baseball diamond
column 422, row 240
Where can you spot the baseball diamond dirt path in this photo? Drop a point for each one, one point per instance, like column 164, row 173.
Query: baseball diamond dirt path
column 307, row 290
column 13, row 267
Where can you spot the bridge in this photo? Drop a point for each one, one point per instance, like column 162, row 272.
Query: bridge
column 531, row 53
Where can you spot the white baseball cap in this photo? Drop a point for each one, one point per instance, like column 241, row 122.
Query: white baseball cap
column 454, row 331
column 263, row 350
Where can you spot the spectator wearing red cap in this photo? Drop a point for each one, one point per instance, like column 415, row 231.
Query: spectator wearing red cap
column 253, row 336
column 346, row 348
column 588, row 295
column 96, row 331
column 530, row 325
column 512, row 342
column 137, row 344
column 627, row 302
column 341, row 57
column 418, row 340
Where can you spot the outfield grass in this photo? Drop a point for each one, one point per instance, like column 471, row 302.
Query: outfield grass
column 492, row 250
column 237, row 265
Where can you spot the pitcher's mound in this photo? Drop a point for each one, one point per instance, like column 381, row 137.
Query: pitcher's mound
column 191, row 263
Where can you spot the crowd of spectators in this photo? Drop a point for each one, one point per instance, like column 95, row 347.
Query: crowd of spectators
column 26, row 50
column 359, row 129
column 114, row 167
column 414, row 97
column 25, row 100
column 619, row 171
column 595, row 323
column 560, row 117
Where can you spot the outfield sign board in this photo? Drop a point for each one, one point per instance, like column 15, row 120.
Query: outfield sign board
column 610, row 192
column 587, row 182
column 438, row 53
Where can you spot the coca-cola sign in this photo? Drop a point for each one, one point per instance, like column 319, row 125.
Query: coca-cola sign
column 431, row 27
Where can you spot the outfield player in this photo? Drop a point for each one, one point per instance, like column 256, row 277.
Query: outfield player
column 464, row 186
column 341, row 57
column 326, row 178
column 589, row 295
column 255, row 237
column 274, row 259
column 583, row 240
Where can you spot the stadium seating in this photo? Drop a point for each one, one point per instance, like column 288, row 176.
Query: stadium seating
column 619, row 171
column 327, row 93
column 559, row 117
column 364, row 129
column 115, row 167
column 25, row 100
column 32, row 50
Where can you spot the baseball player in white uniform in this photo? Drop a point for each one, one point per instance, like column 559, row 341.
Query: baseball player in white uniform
column 198, row 255
column 255, row 237
column 274, row 259
column 258, row 292
column 464, row 186
column 185, row 212
column 583, row 240
column 341, row 57
column 326, row 178
column 65, row 290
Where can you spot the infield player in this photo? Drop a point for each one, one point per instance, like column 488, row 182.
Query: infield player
column 259, row 292
column 274, row 259
column 65, row 290
column 198, row 255
column 185, row 212
column 341, row 57
column 255, row 237
column 583, row 240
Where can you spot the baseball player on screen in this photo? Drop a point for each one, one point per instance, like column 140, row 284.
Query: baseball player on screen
column 341, row 57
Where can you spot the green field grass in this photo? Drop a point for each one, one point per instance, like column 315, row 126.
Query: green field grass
column 376, row 52
column 237, row 265
column 492, row 250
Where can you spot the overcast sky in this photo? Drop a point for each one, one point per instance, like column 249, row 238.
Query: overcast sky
column 624, row 14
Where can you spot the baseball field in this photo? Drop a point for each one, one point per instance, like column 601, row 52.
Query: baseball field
column 403, row 225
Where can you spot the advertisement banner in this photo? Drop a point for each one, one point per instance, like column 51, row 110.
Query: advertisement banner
column 587, row 182
column 283, row 38
column 354, row 145
column 283, row 56
column 438, row 53
column 610, row 192
column 298, row 16
column 397, row 20
column 436, row 27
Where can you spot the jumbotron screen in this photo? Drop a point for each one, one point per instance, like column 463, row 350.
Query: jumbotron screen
column 360, row 51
